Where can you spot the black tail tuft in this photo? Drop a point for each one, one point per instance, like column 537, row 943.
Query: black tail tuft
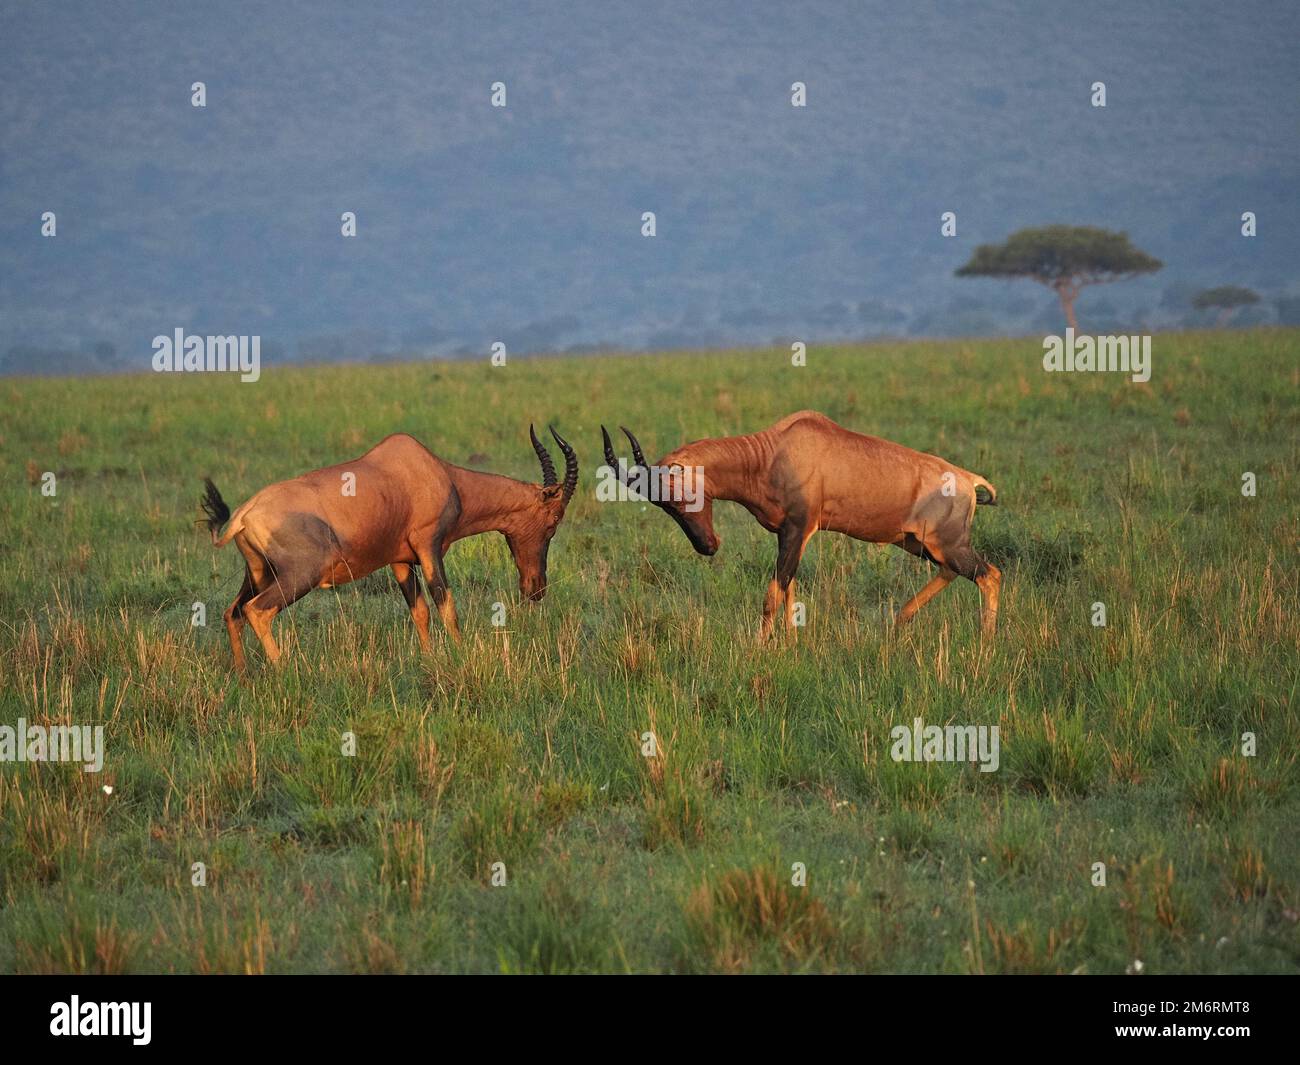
column 985, row 496
column 214, row 507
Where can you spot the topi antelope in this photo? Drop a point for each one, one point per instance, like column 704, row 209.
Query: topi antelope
column 397, row 505
column 806, row 473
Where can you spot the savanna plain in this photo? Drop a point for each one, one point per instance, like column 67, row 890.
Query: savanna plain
column 1120, row 744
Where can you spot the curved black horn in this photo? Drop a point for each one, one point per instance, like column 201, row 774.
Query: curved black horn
column 548, row 467
column 636, row 447
column 570, row 463
column 611, row 460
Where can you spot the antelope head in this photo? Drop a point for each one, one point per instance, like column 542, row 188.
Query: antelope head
column 678, row 490
column 531, row 529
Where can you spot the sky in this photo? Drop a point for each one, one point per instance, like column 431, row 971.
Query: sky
column 523, row 224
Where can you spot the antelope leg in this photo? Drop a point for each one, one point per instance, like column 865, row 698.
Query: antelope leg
column 285, row 588
column 990, row 584
column 936, row 585
column 790, row 541
column 234, row 617
column 410, row 586
column 435, row 578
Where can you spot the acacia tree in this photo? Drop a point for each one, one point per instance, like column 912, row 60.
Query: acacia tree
column 1225, row 299
column 1064, row 258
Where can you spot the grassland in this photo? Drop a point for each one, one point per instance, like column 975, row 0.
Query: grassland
column 1119, row 744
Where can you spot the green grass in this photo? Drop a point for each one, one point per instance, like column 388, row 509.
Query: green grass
column 1119, row 744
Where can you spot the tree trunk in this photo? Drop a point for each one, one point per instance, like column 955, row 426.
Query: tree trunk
column 1067, row 294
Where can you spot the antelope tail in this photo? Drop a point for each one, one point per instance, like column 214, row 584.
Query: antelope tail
column 985, row 494
column 216, row 510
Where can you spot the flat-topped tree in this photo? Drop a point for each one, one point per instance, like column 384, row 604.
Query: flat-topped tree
column 1064, row 258
column 1225, row 299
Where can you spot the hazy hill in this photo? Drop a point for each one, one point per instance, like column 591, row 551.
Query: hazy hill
column 478, row 224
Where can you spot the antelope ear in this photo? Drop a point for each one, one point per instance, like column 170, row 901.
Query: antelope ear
column 551, row 491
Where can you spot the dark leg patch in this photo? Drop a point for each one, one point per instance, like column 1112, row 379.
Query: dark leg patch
column 966, row 563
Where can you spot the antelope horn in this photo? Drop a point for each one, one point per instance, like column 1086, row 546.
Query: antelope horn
column 611, row 460
column 636, row 447
column 638, row 458
column 548, row 467
column 570, row 464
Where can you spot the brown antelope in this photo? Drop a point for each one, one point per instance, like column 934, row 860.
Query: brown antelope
column 397, row 505
column 806, row 473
